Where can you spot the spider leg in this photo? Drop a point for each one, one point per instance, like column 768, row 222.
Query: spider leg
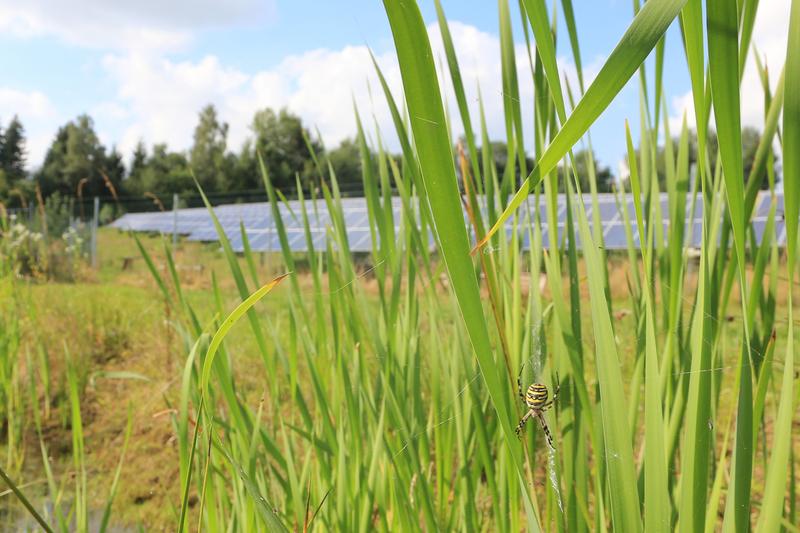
column 519, row 383
column 552, row 402
column 546, row 430
column 522, row 422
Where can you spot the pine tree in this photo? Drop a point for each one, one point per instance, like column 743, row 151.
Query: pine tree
column 134, row 182
column 12, row 151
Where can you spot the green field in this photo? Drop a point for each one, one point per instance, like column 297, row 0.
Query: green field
column 116, row 321
column 192, row 388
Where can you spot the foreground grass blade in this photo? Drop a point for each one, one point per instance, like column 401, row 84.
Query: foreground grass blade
column 537, row 13
column 438, row 175
column 226, row 326
column 724, row 74
column 265, row 511
column 189, row 462
column 618, row 454
column 241, row 284
column 458, row 88
column 21, row 497
column 656, row 511
column 647, row 28
column 772, row 503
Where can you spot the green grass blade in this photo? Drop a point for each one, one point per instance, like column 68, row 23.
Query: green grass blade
column 226, row 326
column 187, row 461
column 772, row 504
column 639, row 39
column 24, row 501
column 618, row 453
column 694, row 46
column 791, row 138
column 153, row 270
column 112, row 492
column 569, row 19
column 241, row 284
column 248, row 255
column 537, row 13
column 438, row 174
column 458, row 88
column 656, row 511
column 724, row 75
column 764, row 148
column 511, row 103
column 265, row 511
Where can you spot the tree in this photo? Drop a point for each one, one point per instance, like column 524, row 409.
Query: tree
column 76, row 153
column 499, row 157
column 750, row 139
column 207, row 156
column 12, row 151
column 244, row 171
column 604, row 178
column 133, row 183
column 346, row 162
column 279, row 140
column 167, row 173
column 114, row 168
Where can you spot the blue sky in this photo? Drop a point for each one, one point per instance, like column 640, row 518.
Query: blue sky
column 144, row 69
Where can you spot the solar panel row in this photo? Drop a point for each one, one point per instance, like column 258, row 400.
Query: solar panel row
column 259, row 224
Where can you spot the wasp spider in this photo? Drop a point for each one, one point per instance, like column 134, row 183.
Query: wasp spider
column 535, row 401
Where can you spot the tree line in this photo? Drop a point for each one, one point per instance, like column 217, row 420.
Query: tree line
column 78, row 165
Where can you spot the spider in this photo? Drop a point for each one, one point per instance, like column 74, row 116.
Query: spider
column 535, row 400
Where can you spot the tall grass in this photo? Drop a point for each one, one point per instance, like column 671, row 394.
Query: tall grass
column 394, row 408
column 13, row 420
column 390, row 394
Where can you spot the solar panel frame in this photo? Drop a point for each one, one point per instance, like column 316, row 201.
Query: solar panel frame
column 195, row 224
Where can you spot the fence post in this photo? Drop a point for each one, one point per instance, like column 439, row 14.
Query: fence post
column 174, row 220
column 95, row 222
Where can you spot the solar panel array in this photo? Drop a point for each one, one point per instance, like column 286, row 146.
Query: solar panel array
column 256, row 218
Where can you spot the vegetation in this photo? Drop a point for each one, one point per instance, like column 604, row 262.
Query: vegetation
column 331, row 392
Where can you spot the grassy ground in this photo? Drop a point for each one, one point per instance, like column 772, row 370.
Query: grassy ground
column 114, row 321
column 130, row 351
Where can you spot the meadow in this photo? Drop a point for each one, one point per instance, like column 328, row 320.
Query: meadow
column 198, row 389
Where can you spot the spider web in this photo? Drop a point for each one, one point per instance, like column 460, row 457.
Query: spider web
column 536, row 361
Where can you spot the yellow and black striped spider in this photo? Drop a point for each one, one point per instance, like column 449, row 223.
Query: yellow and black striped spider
column 535, row 401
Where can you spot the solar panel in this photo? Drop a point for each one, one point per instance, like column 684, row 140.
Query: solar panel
column 615, row 238
column 257, row 219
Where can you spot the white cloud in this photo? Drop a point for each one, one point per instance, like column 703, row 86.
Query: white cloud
column 37, row 115
column 158, row 99
column 110, row 111
column 33, row 105
column 163, row 97
column 682, row 106
column 770, row 36
column 125, row 24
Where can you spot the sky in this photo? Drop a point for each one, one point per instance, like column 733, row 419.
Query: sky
column 143, row 69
